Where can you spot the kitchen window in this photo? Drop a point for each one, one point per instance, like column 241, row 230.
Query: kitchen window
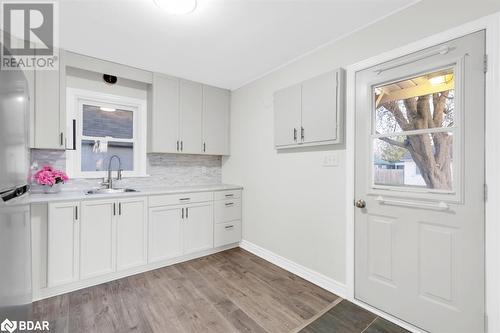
column 105, row 125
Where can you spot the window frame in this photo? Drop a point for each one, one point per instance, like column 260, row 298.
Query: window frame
column 76, row 98
column 416, row 192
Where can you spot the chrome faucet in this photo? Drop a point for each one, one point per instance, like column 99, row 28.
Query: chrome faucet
column 109, row 182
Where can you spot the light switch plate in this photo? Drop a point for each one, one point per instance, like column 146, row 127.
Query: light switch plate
column 331, row 160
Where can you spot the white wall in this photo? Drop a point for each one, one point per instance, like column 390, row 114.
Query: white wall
column 86, row 80
column 292, row 205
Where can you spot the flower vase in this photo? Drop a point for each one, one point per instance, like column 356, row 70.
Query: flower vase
column 56, row 188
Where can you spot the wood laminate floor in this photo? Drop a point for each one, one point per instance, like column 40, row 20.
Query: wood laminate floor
column 231, row 291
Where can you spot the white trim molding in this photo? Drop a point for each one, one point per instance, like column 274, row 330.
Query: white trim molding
column 491, row 24
column 308, row 274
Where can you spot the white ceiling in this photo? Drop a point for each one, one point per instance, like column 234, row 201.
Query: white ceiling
column 226, row 43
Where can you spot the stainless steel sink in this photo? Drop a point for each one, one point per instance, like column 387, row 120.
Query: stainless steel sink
column 111, row 190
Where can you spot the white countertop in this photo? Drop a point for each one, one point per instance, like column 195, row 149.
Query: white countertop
column 81, row 195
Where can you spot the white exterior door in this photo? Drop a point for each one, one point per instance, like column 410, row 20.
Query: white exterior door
column 97, row 238
column 131, row 227
column 165, row 233
column 419, row 228
column 198, row 228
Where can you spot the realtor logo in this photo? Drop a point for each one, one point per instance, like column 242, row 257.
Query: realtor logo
column 24, row 326
column 29, row 36
column 8, row 326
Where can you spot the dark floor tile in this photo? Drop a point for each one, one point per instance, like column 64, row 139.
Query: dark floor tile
column 383, row 326
column 345, row 317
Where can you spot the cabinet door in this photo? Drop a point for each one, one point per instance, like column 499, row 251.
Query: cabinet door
column 62, row 243
column 50, row 106
column 198, row 228
column 97, row 238
column 164, row 115
column 319, row 108
column 191, row 109
column 165, row 233
column 287, row 116
column 131, row 227
column 215, row 121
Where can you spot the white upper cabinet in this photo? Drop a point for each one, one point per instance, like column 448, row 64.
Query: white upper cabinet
column 187, row 117
column 216, row 105
column 163, row 115
column 287, row 116
column 319, row 108
column 310, row 113
column 191, row 103
column 49, row 121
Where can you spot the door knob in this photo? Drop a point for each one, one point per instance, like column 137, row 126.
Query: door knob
column 360, row 203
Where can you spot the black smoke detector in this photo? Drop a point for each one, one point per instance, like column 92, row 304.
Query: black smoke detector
column 111, row 79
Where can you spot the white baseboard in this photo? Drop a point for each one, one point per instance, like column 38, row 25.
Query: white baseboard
column 314, row 277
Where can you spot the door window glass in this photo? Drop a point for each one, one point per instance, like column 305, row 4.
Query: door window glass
column 412, row 139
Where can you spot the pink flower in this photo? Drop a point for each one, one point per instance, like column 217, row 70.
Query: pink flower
column 49, row 176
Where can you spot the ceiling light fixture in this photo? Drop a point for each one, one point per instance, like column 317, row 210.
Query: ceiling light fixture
column 177, row 7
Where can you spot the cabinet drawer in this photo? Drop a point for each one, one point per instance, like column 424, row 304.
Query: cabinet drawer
column 178, row 199
column 227, row 233
column 227, row 210
column 231, row 194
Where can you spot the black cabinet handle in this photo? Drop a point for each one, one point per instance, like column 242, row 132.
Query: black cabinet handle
column 229, row 204
column 187, row 212
column 61, row 138
column 182, row 145
column 302, row 133
column 120, row 208
column 204, row 147
column 182, row 213
column 76, row 213
column 295, row 134
column 74, row 135
column 229, row 195
column 114, row 209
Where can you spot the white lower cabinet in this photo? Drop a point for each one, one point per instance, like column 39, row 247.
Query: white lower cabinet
column 62, row 243
column 179, row 229
column 97, row 238
column 198, row 227
column 227, row 233
column 113, row 235
column 131, row 233
column 165, row 233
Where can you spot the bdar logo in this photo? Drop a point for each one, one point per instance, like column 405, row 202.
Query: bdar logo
column 8, row 326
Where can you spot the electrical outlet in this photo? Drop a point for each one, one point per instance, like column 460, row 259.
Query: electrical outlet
column 331, row 160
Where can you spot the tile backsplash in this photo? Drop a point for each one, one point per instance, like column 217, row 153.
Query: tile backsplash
column 163, row 169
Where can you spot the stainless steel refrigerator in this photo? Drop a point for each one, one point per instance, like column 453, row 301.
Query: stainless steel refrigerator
column 15, row 235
